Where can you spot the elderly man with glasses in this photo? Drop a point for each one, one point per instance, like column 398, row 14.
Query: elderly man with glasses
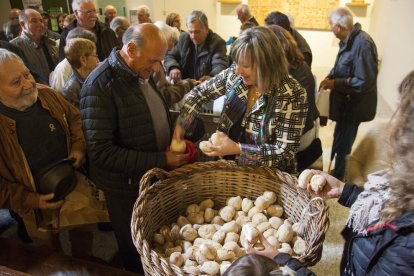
column 85, row 12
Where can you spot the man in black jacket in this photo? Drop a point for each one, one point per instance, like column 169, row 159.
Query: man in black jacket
column 85, row 13
column 199, row 54
column 127, row 127
column 353, row 82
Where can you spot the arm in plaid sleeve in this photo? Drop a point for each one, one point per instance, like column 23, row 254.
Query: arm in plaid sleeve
column 204, row 93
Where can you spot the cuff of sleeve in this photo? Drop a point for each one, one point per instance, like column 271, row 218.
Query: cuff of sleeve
column 249, row 155
column 282, row 258
column 185, row 120
column 189, row 83
column 32, row 200
column 346, row 193
column 340, row 84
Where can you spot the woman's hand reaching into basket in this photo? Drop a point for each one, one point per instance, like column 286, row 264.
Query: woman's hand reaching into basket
column 269, row 251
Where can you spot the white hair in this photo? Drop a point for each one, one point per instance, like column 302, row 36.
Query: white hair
column 6, row 55
column 109, row 7
column 197, row 15
column 145, row 8
column 342, row 17
column 76, row 3
column 117, row 22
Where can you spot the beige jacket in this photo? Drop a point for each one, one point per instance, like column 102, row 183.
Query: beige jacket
column 17, row 188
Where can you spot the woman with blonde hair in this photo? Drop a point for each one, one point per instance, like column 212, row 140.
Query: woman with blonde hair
column 81, row 54
column 265, row 109
column 173, row 20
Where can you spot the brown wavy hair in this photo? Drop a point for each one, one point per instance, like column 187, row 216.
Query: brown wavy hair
column 402, row 154
column 293, row 54
column 169, row 20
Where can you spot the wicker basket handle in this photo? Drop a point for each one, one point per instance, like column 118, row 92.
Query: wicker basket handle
column 146, row 180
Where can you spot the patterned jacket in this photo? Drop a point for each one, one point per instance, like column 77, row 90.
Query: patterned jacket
column 273, row 127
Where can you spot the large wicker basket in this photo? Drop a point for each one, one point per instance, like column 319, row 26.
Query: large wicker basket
column 165, row 195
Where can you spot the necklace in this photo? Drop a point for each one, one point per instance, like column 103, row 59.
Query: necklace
column 252, row 95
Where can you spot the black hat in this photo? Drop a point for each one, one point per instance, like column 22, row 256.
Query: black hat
column 58, row 178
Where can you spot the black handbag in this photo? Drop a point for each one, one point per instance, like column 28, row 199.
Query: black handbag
column 309, row 155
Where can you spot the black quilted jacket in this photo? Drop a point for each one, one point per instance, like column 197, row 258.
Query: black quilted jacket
column 121, row 142
column 386, row 250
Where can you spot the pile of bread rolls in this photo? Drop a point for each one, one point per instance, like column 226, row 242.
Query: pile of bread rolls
column 205, row 241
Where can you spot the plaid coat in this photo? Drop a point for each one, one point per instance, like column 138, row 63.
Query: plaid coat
column 272, row 128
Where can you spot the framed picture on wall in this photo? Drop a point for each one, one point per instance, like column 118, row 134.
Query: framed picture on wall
column 133, row 16
column 36, row 4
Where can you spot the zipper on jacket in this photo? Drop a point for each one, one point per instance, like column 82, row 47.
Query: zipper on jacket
column 67, row 131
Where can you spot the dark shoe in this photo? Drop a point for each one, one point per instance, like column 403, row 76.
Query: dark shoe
column 21, row 228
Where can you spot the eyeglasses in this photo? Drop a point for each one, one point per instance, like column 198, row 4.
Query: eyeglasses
column 96, row 56
column 89, row 12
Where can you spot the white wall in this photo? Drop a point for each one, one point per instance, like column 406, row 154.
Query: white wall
column 392, row 24
column 160, row 8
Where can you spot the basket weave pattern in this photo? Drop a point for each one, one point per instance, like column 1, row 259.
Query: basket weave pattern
column 162, row 202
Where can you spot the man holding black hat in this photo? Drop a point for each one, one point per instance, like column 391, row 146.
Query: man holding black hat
column 38, row 127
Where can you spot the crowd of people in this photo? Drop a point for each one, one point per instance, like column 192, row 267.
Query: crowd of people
column 100, row 94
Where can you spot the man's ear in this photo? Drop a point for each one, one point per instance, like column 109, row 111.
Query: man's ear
column 132, row 50
column 83, row 60
column 21, row 23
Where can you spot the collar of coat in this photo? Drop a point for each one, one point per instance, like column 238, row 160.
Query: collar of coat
column 122, row 69
column 25, row 36
column 349, row 40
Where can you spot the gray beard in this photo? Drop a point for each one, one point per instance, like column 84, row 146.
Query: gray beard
column 25, row 104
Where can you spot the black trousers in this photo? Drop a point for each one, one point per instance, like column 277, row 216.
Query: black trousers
column 120, row 212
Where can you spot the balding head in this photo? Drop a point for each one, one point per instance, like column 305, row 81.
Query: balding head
column 144, row 49
column 243, row 13
column 14, row 14
column 110, row 12
column 31, row 22
column 143, row 14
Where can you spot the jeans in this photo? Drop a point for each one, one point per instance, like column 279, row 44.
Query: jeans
column 344, row 137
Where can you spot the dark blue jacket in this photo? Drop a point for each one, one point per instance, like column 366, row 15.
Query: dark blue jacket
column 117, row 122
column 354, row 97
column 72, row 88
column 386, row 250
